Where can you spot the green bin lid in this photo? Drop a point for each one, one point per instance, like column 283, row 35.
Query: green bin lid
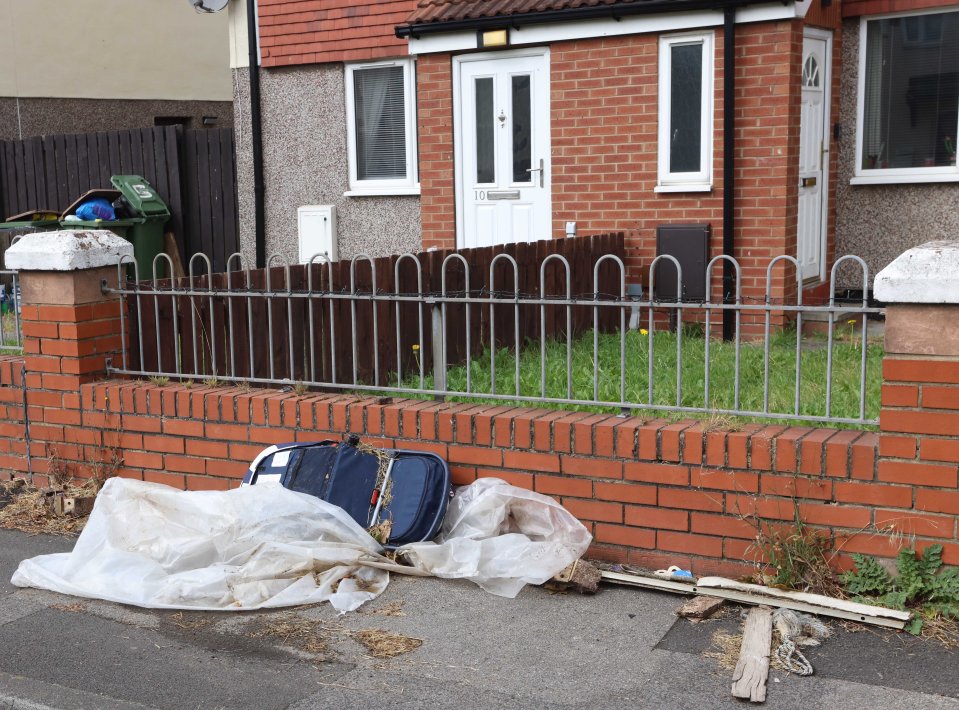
column 141, row 196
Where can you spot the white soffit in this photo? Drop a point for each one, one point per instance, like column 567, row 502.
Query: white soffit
column 608, row 27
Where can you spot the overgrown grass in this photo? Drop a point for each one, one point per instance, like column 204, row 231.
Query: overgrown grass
column 9, row 333
column 847, row 354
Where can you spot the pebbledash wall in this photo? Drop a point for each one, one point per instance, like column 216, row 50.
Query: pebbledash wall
column 652, row 492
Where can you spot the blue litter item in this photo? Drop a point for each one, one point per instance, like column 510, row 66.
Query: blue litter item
column 347, row 476
column 97, row 208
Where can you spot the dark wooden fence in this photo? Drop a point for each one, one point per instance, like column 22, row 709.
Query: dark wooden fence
column 192, row 171
column 226, row 320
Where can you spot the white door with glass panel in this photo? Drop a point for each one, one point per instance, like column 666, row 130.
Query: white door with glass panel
column 813, row 158
column 503, row 160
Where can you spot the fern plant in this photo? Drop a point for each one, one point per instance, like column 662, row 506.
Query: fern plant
column 919, row 584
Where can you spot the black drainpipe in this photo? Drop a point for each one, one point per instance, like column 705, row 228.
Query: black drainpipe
column 729, row 164
column 256, row 136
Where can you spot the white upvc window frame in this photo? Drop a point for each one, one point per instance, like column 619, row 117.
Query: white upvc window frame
column 890, row 176
column 410, row 185
column 702, row 180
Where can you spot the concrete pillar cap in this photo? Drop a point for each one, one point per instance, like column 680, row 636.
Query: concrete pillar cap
column 925, row 274
column 67, row 250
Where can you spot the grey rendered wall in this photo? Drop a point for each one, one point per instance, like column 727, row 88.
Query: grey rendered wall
column 879, row 222
column 305, row 163
column 28, row 117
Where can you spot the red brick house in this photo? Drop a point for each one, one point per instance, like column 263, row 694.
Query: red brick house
column 474, row 122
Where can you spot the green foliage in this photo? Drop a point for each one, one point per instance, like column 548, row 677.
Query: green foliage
column 870, row 577
column 799, row 556
column 919, row 584
column 601, row 370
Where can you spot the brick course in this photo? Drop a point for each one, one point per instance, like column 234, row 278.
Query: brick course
column 693, row 512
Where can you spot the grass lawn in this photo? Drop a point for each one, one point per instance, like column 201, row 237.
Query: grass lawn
column 847, row 354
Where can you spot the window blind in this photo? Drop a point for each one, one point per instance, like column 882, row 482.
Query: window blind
column 379, row 103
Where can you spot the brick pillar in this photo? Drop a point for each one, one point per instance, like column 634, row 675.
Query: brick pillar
column 919, row 420
column 70, row 327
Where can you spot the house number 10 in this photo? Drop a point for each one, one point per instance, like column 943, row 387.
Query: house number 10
column 480, row 194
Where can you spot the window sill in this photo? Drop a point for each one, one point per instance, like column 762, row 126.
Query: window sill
column 906, row 178
column 689, row 187
column 383, row 192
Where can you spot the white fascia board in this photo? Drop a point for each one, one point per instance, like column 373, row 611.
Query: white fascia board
column 608, row 27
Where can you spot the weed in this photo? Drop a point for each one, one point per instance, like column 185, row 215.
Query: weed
column 799, row 556
column 212, row 382
column 919, row 584
column 301, row 388
column 159, row 380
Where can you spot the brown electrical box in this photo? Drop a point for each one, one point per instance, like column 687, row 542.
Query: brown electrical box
column 689, row 244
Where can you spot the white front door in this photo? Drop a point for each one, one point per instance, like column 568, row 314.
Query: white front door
column 813, row 157
column 503, row 149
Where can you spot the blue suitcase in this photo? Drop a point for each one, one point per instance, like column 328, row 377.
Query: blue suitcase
column 408, row 489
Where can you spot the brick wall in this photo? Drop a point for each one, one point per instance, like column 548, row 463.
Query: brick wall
column 651, row 492
column 604, row 98
column 308, row 31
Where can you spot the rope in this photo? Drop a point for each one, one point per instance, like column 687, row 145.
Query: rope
column 792, row 658
column 805, row 629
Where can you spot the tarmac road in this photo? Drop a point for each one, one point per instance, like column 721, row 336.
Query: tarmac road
column 621, row 648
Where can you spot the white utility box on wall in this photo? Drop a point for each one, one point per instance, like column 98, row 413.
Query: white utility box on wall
column 316, row 230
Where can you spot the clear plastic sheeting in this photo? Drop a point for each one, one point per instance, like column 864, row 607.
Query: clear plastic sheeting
column 257, row 547
column 501, row 537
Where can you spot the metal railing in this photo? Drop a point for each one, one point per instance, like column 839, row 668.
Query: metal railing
column 772, row 369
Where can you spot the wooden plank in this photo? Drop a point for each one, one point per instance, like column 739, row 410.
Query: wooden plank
column 216, row 197
column 113, row 153
column 18, row 157
column 9, row 180
column 50, row 173
column 219, row 327
column 40, row 172
column 28, row 176
column 296, row 338
column 230, row 237
column 63, row 177
column 148, row 155
column 877, row 616
column 191, row 220
column 82, row 183
column 137, row 163
column 125, row 141
column 172, row 138
column 93, row 162
column 71, row 158
column 203, row 195
column 239, row 330
column 752, row 669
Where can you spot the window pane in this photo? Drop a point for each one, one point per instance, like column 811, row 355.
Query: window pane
column 911, row 98
column 485, row 171
column 380, row 123
column 522, row 147
column 686, row 108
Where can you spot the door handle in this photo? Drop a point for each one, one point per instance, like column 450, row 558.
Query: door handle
column 537, row 170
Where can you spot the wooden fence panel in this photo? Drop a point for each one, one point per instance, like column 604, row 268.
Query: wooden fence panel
column 334, row 328
column 193, row 172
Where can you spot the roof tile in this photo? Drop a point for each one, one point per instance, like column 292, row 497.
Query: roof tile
column 453, row 10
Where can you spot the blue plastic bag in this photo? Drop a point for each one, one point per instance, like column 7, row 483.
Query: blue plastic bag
column 97, row 208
